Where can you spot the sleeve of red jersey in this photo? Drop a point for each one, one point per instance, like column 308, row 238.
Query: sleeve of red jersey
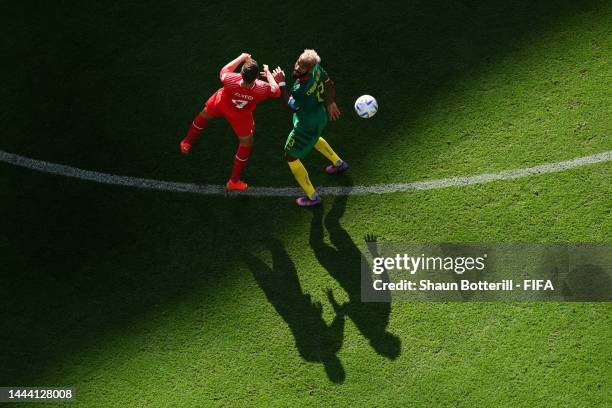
column 226, row 76
column 273, row 92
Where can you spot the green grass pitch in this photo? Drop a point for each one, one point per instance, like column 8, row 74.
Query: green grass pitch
column 154, row 299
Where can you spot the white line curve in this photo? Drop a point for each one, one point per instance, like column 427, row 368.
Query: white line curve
column 126, row 181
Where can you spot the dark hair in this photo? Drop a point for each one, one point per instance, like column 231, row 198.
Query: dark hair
column 250, row 70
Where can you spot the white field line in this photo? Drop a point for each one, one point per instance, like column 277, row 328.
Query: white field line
column 67, row 171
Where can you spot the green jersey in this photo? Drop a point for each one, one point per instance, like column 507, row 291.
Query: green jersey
column 310, row 116
column 309, row 100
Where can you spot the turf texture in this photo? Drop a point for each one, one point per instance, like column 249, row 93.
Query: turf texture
column 139, row 298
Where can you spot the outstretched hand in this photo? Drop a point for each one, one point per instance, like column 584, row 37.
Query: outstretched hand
column 266, row 71
column 370, row 237
column 278, row 74
column 371, row 243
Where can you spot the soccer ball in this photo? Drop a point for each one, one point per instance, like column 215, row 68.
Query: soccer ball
column 366, row 106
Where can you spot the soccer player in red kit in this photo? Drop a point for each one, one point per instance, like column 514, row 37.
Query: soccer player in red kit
column 236, row 101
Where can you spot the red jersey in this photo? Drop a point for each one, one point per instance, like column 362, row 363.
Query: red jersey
column 240, row 100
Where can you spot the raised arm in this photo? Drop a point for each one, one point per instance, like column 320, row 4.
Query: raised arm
column 372, row 244
column 233, row 64
column 330, row 94
column 279, row 77
column 273, row 84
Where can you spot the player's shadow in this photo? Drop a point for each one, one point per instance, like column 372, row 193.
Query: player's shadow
column 315, row 340
column 342, row 260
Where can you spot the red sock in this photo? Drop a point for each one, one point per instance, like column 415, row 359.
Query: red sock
column 199, row 123
column 240, row 161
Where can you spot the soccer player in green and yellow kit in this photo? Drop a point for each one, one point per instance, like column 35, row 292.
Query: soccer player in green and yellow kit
column 312, row 102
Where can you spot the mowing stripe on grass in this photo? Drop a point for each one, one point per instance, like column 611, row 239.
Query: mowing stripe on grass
column 67, row 171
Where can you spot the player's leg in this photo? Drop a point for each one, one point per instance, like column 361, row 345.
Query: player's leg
column 199, row 123
column 338, row 165
column 197, row 126
column 243, row 126
column 301, row 176
column 297, row 147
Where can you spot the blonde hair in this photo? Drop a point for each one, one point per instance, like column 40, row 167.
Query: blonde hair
column 309, row 58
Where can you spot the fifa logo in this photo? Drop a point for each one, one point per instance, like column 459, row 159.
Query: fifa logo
column 537, row 284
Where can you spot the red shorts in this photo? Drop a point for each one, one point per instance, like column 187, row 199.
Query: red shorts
column 242, row 123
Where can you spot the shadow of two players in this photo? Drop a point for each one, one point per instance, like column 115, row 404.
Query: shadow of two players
column 315, row 340
column 343, row 260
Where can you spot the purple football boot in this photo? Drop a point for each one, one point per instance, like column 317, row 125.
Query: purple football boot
column 306, row 202
column 340, row 168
